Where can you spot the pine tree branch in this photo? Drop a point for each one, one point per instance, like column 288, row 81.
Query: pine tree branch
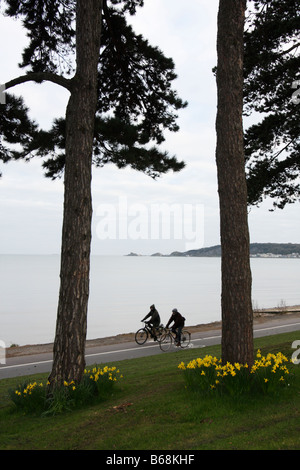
column 40, row 77
column 295, row 46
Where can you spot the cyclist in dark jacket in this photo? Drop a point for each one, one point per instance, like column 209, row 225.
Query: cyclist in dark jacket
column 178, row 320
column 154, row 321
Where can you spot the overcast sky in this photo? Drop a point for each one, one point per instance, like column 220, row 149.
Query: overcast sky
column 126, row 202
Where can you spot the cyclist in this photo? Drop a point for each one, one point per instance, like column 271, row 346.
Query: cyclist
column 178, row 320
column 154, row 321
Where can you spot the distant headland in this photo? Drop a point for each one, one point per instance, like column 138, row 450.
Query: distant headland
column 257, row 250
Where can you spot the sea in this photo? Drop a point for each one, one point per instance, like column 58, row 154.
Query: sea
column 122, row 288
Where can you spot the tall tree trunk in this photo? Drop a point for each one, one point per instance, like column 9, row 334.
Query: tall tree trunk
column 69, row 345
column 237, row 314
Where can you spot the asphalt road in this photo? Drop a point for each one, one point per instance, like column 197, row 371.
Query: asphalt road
column 39, row 363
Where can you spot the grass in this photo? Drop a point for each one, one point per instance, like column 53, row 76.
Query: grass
column 152, row 410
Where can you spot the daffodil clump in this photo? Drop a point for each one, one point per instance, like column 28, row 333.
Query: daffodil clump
column 267, row 374
column 95, row 385
column 101, row 381
column 29, row 397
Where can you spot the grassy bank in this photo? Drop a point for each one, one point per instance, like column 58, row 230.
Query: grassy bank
column 151, row 409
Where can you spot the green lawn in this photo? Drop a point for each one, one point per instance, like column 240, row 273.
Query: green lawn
column 151, row 409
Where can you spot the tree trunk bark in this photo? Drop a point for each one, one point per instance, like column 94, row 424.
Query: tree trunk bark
column 237, row 314
column 71, row 326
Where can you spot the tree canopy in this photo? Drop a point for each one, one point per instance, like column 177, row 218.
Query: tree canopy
column 271, row 67
column 136, row 101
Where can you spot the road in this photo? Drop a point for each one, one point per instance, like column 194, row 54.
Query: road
column 40, row 363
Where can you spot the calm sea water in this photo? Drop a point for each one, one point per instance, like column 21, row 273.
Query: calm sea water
column 123, row 288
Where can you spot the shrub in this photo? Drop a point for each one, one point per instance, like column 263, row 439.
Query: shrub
column 29, row 397
column 96, row 385
column 268, row 374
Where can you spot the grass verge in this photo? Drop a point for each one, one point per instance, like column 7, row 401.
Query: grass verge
column 152, row 410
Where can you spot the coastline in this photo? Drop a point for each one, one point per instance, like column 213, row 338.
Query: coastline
column 260, row 316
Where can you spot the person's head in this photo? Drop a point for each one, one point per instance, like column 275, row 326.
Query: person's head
column 152, row 307
column 174, row 311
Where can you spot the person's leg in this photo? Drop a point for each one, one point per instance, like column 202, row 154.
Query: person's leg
column 178, row 335
column 154, row 332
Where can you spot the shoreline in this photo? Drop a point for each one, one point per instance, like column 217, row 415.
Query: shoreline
column 259, row 316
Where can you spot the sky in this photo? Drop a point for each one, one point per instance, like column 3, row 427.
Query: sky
column 131, row 211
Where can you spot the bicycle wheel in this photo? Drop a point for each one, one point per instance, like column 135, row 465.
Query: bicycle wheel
column 141, row 336
column 165, row 342
column 185, row 338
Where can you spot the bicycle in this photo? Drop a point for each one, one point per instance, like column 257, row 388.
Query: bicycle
column 169, row 338
column 144, row 333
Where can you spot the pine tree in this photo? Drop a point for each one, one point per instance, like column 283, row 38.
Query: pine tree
column 237, row 315
column 121, row 100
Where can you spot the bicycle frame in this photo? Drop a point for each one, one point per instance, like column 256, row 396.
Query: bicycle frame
column 148, row 328
column 170, row 337
column 142, row 334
